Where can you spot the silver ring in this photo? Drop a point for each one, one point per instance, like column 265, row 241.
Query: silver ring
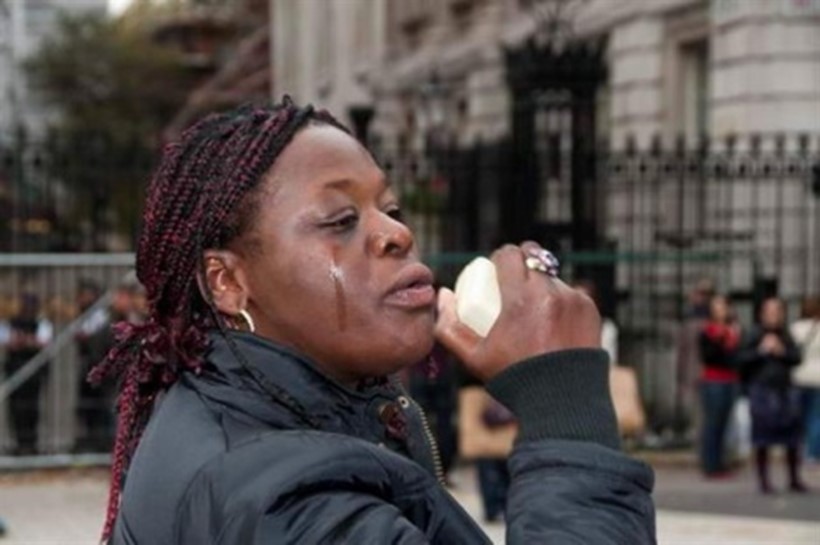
column 542, row 261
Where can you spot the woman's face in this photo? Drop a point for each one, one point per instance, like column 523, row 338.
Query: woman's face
column 331, row 269
column 721, row 312
column 772, row 314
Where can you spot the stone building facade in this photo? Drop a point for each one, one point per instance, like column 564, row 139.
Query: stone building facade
column 717, row 67
column 327, row 51
column 438, row 71
column 675, row 70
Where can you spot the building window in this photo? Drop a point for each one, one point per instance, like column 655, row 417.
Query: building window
column 287, row 46
column 324, row 48
column 693, row 101
column 462, row 13
column 363, row 38
column 412, row 18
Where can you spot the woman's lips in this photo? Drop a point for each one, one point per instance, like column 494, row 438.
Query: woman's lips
column 413, row 288
column 413, row 297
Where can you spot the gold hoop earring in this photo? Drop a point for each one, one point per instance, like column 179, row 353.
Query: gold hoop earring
column 248, row 320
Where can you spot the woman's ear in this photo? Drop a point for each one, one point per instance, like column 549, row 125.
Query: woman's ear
column 225, row 280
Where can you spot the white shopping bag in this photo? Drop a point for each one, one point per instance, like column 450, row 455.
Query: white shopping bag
column 739, row 431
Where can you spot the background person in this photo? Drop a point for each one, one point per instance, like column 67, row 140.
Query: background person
column 719, row 388
column 29, row 332
column 688, row 362
column 94, row 340
column 486, row 431
column 432, row 384
column 139, row 304
column 767, row 357
column 806, row 332
column 92, row 344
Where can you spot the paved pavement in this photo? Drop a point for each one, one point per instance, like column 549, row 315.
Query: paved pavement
column 685, row 491
column 46, row 508
column 693, row 511
column 66, row 508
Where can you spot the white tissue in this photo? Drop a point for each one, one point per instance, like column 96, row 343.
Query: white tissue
column 478, row 298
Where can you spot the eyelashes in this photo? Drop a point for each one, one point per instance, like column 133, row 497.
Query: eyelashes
column 349, row 220
column 396, row 214
column 344, row 223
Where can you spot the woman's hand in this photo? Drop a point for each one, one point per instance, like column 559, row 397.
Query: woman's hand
column 539, row 314
column 777, row 347
column 771, row 344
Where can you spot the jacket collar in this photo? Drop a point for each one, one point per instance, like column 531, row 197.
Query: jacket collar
column 274, row 387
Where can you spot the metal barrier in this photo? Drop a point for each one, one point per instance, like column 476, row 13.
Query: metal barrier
column 53, row 279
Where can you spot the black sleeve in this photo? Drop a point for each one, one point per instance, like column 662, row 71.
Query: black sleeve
column 793, row 355
column 561, row 395
column 570, row 482
column 747, row 357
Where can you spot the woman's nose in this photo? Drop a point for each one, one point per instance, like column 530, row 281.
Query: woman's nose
column 391, row 237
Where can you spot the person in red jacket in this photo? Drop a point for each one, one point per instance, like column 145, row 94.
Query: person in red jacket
column 719, row 341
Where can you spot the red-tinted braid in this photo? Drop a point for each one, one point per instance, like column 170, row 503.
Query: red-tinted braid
column 191, row 206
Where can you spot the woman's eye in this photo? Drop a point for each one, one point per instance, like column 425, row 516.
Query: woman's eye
column 396, row 214
column 348, row 221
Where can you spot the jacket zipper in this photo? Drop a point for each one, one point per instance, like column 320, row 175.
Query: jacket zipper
column 431, row 442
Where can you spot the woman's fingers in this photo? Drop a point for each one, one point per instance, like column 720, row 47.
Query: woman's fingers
column 539, row 314
column 509, row 265
column 512, row 276
column 452, row 333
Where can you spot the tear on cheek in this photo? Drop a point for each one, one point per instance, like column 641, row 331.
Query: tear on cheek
column 337, row 277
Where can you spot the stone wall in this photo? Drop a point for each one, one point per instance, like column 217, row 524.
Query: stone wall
column 765, row 66
column 325, row 51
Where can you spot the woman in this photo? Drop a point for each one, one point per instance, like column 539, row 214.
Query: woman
column 806, row 331
column 29, row 333
column 284, row 292
column 766, row 359
column 719, row 341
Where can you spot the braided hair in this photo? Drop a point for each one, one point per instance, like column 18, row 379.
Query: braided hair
column 192, row 204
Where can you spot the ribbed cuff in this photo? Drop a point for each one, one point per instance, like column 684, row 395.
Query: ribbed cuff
column 560, row 395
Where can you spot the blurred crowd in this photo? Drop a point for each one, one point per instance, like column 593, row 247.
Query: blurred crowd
column 26, row 327
column 755, row 386
column 758, row 385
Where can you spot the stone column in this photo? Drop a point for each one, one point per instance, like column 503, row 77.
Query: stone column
column 765, row 66
column 636, row 54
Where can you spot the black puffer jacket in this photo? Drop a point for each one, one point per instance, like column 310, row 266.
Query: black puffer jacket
column 767, row 369
column 220, row 462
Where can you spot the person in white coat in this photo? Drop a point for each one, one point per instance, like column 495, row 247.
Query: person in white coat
column 806, row 332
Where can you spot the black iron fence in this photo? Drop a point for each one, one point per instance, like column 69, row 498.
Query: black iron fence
column 644, row 223
column 739, row 213
column 71, row 192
